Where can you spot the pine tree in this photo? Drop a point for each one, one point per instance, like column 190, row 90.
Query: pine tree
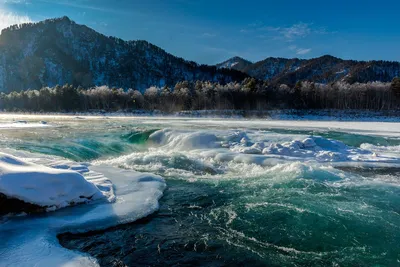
column 396, row 86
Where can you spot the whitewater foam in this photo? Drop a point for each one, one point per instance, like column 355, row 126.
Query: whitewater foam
column 186, row 153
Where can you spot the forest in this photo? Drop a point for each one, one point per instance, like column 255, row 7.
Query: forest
column 250, row 94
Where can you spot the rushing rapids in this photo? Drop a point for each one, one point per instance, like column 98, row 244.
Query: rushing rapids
column 227, row 192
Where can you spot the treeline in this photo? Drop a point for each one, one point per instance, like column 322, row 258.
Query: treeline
column 250, row 94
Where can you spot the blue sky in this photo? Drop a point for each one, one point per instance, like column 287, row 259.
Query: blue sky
column 210, row 31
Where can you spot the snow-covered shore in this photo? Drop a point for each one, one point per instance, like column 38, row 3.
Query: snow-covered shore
column 52, row 187
column 284, row 114
column 56, row 182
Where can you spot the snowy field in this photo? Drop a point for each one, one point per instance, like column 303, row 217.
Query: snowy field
column 286, row 185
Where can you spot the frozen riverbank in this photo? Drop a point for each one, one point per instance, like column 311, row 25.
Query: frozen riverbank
column 314, row 115
column 31, row 239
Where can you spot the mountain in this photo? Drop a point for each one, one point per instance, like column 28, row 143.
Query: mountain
column 324, row 69
column 59, row 51
column 236, row 63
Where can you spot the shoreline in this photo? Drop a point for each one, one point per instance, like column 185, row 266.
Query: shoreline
column 285, row 114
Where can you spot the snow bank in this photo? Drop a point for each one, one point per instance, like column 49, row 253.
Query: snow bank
column 44, row 186
column 335, row 115
column 292, row 114
column 23, row 124
column 32, row 241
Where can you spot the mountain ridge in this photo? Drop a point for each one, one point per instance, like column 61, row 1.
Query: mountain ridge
column 324, row 69
column 236, row 63
column 60, row 51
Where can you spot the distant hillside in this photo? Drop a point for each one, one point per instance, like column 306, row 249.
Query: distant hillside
column 236, row 63
column 324, row 69
column 59, row 51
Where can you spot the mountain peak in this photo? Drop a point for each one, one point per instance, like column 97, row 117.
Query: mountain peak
column 240, row 58
column 65, row 18
column 236, row 63
column 58, row 19
column 59, row 51
column 329, row 57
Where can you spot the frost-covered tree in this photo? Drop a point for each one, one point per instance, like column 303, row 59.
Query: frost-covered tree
column 250, row 94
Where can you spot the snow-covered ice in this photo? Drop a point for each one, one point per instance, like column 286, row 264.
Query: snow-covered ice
column 22, row 124
column 44, row 186
column 32, row 241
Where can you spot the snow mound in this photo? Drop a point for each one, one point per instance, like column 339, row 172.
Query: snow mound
column 48, row 187
column 32, row 241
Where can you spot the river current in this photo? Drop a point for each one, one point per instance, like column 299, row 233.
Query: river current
column 238, row 192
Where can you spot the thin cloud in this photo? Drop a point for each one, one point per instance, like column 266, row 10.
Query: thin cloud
column 9, row 18
column 299, row 51
column 289, row 34
column 208, row 35
column 303, row 51
column 270, row 29
column 299, row 30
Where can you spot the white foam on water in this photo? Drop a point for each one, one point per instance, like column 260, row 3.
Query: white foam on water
column 217, row 153
column 182, row 140
column 383, row 151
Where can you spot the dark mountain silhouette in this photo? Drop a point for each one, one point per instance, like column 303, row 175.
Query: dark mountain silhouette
column 324, row 69
column 59, row 51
